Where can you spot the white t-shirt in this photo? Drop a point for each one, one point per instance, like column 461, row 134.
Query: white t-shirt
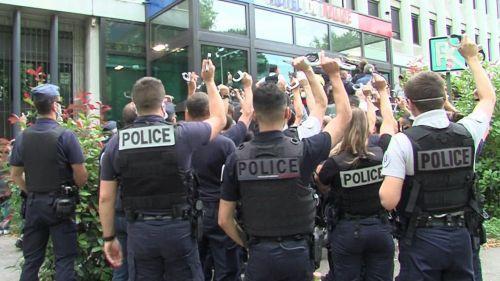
column 310, row 127
column 398, row 159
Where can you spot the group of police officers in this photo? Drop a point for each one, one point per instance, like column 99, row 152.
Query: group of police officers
column 197, row 197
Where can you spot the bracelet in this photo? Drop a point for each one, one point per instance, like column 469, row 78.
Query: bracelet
column 109, row 238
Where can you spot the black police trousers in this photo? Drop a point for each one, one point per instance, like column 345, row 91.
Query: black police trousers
column 286, row 260
column 438, row 253
column 217, row 250
column 163, row 250
column 363, row 247
column 40, row 223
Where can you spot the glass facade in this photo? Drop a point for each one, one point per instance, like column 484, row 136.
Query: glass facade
column 119, row 82
column 264, row 60
column 375, row 47
column 345, row 41
column 282, row 28
column 170, row 24
column 226, row 60
column 221, row 16
column 169, row 69
column 125, row 62
column 311, row 34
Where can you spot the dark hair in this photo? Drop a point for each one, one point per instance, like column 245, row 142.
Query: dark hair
column 148, row 94
column 197, row 105
column 273, row 68
column 425, row 85
column 129, row 113
column 269, row 103
column 43, row 103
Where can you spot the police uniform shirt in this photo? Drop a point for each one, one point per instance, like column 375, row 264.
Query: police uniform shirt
column 236, row 133
column 68, row 147
column 316, row 149
column 398, row 159
column 188, row 137
column 209, row 160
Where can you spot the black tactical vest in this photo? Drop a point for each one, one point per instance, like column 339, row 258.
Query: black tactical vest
column 149, row 175
column 274, row 200
column 356, row 186
column 444, row 175
column 41, row 163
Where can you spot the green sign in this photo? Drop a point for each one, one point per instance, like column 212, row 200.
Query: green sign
column 444, row 54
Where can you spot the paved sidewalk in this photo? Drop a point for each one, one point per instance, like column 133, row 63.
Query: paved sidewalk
column 9, row 257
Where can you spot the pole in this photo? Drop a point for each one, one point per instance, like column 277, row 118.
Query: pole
column 16, row 68
column 54, row 50
column 221, row 72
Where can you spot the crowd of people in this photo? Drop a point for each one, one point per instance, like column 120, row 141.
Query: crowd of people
column 244, row 186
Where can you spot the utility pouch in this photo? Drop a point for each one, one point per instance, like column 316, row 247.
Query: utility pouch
column 64, row 207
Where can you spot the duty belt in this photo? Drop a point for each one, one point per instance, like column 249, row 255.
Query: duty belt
column 297, row 237
column 448, row 220
column 179, row 212
column 347, row 216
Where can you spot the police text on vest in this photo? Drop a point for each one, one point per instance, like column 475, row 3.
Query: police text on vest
column 150, row 136
column 440, row 159
column 268, row 168
column 361, row 177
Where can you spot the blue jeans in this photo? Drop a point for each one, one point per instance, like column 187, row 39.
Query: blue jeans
column 217, row 247
column 438, row 253
column 364, row 244
column 163, row 250
column 121, row 273
column 40, row 223
column 286, row 260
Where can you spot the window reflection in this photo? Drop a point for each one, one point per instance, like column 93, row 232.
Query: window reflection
column 169, row 69
column 226, row 60
column 265, row 60
column 170, row 24
column 281, row 29
column 375, row 47
column 311, row 34
column 124, row 37
column 346, row 41
column 223, row 16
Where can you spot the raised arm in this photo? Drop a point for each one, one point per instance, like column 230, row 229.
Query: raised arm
column 485, row 89
column 192, row 83
column 217, row 119
column 338, row 124
column 297, row 104
column 320, row 100
column 389, row 123
column 247, row 102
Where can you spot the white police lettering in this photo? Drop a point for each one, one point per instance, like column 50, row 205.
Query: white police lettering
column 441, row 159
column 151, row 136
column 268, row 168
column 360, row 177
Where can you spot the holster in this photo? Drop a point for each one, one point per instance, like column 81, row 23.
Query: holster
column 65, row 203
column 196, row 205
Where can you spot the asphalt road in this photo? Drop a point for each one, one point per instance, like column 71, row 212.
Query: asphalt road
column 10, row 256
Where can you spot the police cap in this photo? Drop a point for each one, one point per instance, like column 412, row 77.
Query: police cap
column 45, row 90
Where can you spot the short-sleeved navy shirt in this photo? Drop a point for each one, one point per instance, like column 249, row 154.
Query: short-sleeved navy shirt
column 316, row 149
column 209, row 159
column 68, row 148
column 188, row 137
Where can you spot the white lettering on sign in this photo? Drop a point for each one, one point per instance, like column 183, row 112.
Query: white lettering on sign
column 360, row 177
column 151, row 136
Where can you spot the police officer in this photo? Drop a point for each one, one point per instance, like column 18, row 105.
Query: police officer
column 360, row 232
column 51, row 160
column 269, row 176
column 208, row 161
column 152, row 161
column 429, row 177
